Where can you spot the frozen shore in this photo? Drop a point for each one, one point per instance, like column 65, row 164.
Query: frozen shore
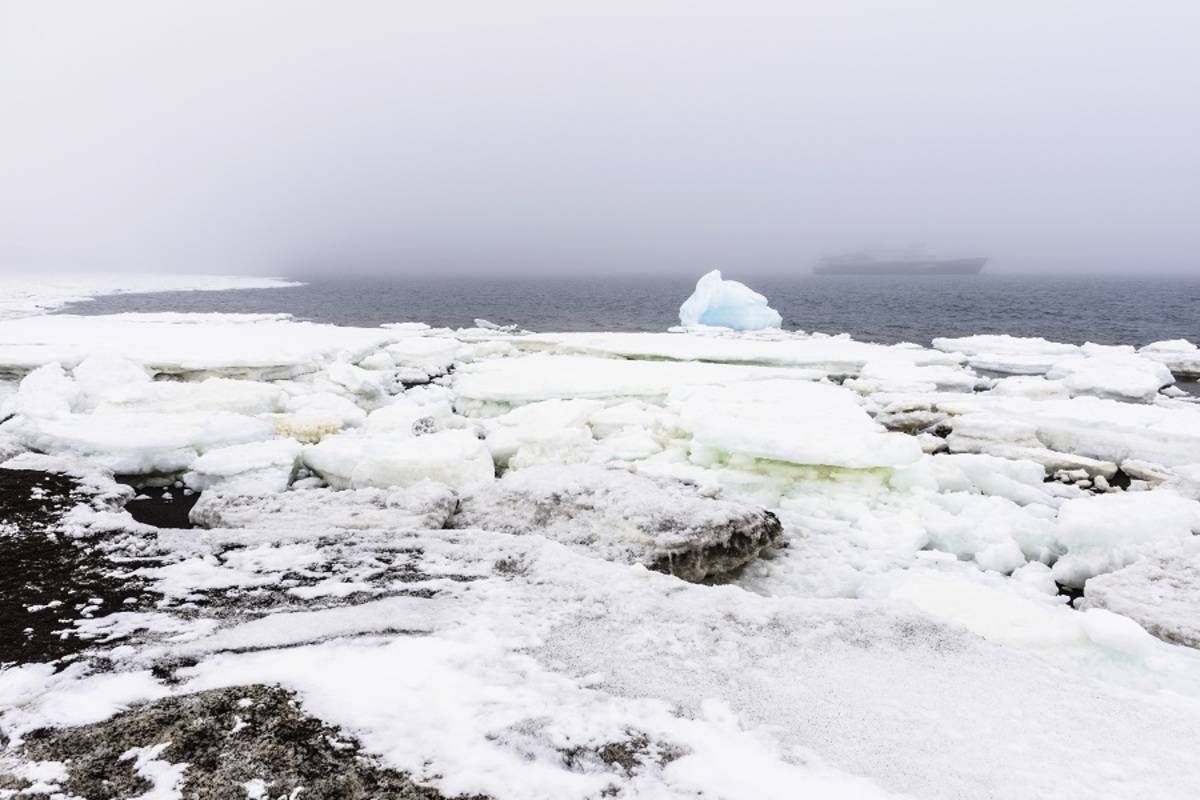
column 760, row 564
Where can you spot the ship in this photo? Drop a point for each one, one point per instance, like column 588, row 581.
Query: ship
column 868, row 263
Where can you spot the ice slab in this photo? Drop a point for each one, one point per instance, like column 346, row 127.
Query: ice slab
column 1180, row 356
column 515, row 381
column 1160, row 594
column 352, row 460
column 254, row 468
column 727, row 304
column 838, row 355
column 421, row 505
column 1106, row 532
column 228, row 345
column 623, row 517
column 799, row 422
column 142, row 443
column 1013, row 355
column 1111, row 372
column 1087, row 427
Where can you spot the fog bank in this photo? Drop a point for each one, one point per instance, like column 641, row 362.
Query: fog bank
column 302, row 137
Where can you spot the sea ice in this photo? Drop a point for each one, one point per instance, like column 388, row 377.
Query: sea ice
column 421, row 505
column 254, row 468
column 826, row 355
column 261, row 347
column 142, row 443
column 1111, row 372
column 1106, row 532
column 623, row 517
column 1160, row 594
column 496, row 385
column 1012, row 355
column 908, row 598
column 799, row 422
column 352, row 460
column 727, row 304
column 1179, row 355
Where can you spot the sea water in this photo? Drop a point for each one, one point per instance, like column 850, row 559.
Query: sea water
column 1105, row 310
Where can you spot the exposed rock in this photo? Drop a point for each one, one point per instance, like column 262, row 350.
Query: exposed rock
column 50, row 580
column 620, row 516
column 232, row 741
column 1161, row 595
column 424, row 505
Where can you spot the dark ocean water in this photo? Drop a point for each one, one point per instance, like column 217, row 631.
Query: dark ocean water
column 1106, row 310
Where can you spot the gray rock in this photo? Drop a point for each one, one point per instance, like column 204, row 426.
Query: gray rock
column 1161, row 595
column 617, row 515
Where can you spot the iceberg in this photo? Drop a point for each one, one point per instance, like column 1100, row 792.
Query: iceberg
column 727, row 304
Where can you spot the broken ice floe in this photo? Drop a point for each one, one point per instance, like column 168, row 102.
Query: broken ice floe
column 460, row 521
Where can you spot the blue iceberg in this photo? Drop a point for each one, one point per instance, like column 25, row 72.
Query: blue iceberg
column 727, row 304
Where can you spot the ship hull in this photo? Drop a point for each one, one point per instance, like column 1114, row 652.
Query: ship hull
column 947, row 266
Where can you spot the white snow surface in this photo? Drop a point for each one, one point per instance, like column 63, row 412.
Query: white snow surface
column 909, row 637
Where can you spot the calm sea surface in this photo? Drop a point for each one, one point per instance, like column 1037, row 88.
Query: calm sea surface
column 1106, row 310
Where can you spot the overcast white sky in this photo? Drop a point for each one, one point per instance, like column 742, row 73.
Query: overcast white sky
column 608, row 136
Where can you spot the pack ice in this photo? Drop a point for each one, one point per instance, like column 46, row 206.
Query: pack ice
column 727, row 561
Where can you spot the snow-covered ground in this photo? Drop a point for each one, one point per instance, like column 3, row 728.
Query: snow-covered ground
column 766, row 564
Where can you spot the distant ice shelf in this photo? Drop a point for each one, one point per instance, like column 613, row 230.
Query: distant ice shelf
column 23, row 295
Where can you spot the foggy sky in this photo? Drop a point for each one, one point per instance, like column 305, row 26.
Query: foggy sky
column 285, row 137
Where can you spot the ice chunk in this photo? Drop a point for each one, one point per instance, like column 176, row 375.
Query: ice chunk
column 407, row 418
column 623, row 517
column 45, row 392
column 1160, row 594
column 799, row 422
column 546, row 431
column 1086, row 428
column 1106, row 532
column 195, row 345
column 1179, row 355
column 254, row 468
column 727, row 304
column 102, row 372
column 137, row 443
column 352, row 460
column 213, row 394
column 421, row 505
column 1013, row 355
column 310, row 417
column 494, row 385
column 1111, row 372
column 431, row 355
column 895, row 375
column 839, row 355
column 1032, row 386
